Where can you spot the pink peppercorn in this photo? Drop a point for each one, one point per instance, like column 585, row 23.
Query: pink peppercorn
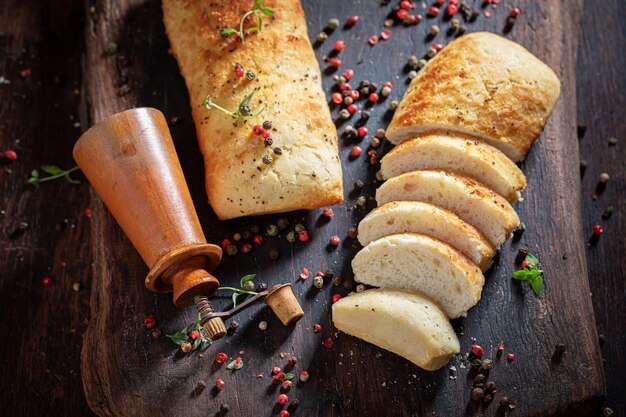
column 356, row 151
column 225, row 243
column 352, row 21
column 337, row 98
column 328, row 212
column 335, row 62
column 373, row 97
column 353, row 108
column 221, row 357
column 334, row 240
column 440, row 2
column 328, row 343
column 510, row 357
column 88, row 213
column 340, row 45
column 402, row 14
column 477, row 351
column 303, row 236
column 304, row 273
column 282, row 399
column 515, row 12
column 354, row 95
column 345, row 86
column 258, row 130
column 266, row 134
column 258, row 239
column 246, row 247
column 284, row 413
column 597, row 230
column 452, row 9
column 362, row 131
column 336, row 297
column 148, row 321
column 437, row 46
column 276, row 370
column 11, row 155
column 348, row 74
column 387, row 84
column 239, row 71
column 433, row 11
column 405, row 4
column 25, row 73
column 373, row 40
column 219, row 384
column 194, row 334
column 525, row 265
column 317, row 328
column 385, row 34
column 286, row 386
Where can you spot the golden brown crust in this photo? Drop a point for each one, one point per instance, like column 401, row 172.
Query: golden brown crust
column 288, row 84
column 484, row 85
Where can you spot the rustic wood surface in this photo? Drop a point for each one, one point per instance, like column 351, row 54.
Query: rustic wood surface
column 127, row 373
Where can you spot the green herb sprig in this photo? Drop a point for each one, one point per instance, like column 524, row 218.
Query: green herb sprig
column 532, row 274
column 55, row 173
column 182, row 336
column 238, row 292
column 243, row 111
column 258, row 11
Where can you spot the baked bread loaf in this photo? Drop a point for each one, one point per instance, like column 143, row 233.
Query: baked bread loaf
column 287, row 84
column 423, row 218
column 476, row 204
column 484, row 85
column 413, row 262
column 404, row 323
column 457, row 153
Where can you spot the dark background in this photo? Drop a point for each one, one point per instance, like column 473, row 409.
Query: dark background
column 40, row 119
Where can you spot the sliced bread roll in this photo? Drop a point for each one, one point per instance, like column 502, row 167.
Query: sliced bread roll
column 484, row 85
column 476, row 204
column 423, row 218
column 414, row 262
column 457, row 153
column 404, row 323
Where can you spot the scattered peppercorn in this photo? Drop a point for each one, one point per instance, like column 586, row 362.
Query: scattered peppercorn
column 321, row 37
column 515, row 12
column 412, row 74
column 510, row 357
column 356, row 151
column 612, row 141
column 284, row 413
column 336, row 297
column 224, row 408
column 608, row 212
column 328, row 212
column 303, row 236
column 221, row 357
column 434, row 30
column 318, row 282
column 604, row 178
column 263, row 325
column 10, row 155
column 393, row 105
column 272, row 230
column 477, row 351
column 597, row 230
column 291, row 237
column 219, row 384
column 186, row 347
column 250, row 75
column 455, row 23
column 333, row 23
column 194, row 334
column 361, row 201
column 231, row 250
column 328, row 343
column 278, row 151
column 246, row 247
column 46, row 281
column 422, row 63
column 352, row 232
column 431, row 52
column 607, row 412
column 148, row 321
column 477, row 394
column 486, row 366
column 239, row 71
column 344, row 113
column 334, row 240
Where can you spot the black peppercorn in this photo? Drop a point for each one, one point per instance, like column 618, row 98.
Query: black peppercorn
column 491, row 387
column 477, row 394
column 352, row 232
column 475, row 364
column 267, row 125
column 328, row 274
column 365, row 116
column 278, row 151
column 480, row 378
column 255, row 228
column 364, row 92
column 268, row 141
column 504, row 402
column 293, row 405
column 373, row 88
column 224, row 408
column 364, row 84
column 273, row 254
column 282, row 223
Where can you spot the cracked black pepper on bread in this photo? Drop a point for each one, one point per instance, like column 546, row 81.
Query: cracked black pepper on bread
column 306, row 172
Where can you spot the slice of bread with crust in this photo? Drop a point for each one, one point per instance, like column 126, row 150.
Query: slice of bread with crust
column 423, row 218
column 476, row 204
column 402, row 322
column 420, row 263
column 457, row 153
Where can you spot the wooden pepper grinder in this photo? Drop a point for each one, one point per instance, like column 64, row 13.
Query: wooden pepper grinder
column 131, row 162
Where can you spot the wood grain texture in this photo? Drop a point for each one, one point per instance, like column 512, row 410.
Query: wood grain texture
column 40, row 363
column 41, row 326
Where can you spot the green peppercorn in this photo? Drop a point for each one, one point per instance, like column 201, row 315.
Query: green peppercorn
column 412, row 61
column 455, row 23
column 361, row 201
column 250, row 75
column 380, row 133
column 272, row 230
column 299, row 228
column 267, row 159
column 237, row 237
column 291, row 236
column 333, row 23
column 434, row 30
column 318, row 282
column 393, row 105
column 422, row 63
column 385, row 91
column 412, row 75
column 341, row 80
column 431, row 52
column 375, row 143
column 350, row 132
column 344, row 114
column 231, row 250
column 322, row 37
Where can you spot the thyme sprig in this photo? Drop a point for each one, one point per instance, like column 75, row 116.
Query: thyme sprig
column 55, row 173
column 243, row 110
column 258, row 11
column 183, row 336
column 532, row 274
column 238, row 292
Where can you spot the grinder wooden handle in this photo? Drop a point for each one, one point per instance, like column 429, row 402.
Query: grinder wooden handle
column 130, row 160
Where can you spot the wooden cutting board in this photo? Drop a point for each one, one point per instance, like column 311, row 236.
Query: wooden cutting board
column 126, row 373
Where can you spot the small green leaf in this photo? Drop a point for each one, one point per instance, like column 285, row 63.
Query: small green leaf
column 289, row 376
column 34, row 173
column 225, row 33
column 51, row 169
column 34, row 181
column 245, row 279
column 522, row 274
column 258, row 4
column 537, row 284
column 532, row 260
column 245, row 102
column 196, row 343
column 266, row 11
column 234, row 366
column 235, row 296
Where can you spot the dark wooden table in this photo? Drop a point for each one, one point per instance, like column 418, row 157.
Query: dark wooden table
column 44, row 230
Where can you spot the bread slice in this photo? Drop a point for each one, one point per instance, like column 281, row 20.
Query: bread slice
column 457, row 153
column 484, row 85
column 306, row 172
column 476, row 204
column 404, row 323
column 423, row 218
column 420, row 263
